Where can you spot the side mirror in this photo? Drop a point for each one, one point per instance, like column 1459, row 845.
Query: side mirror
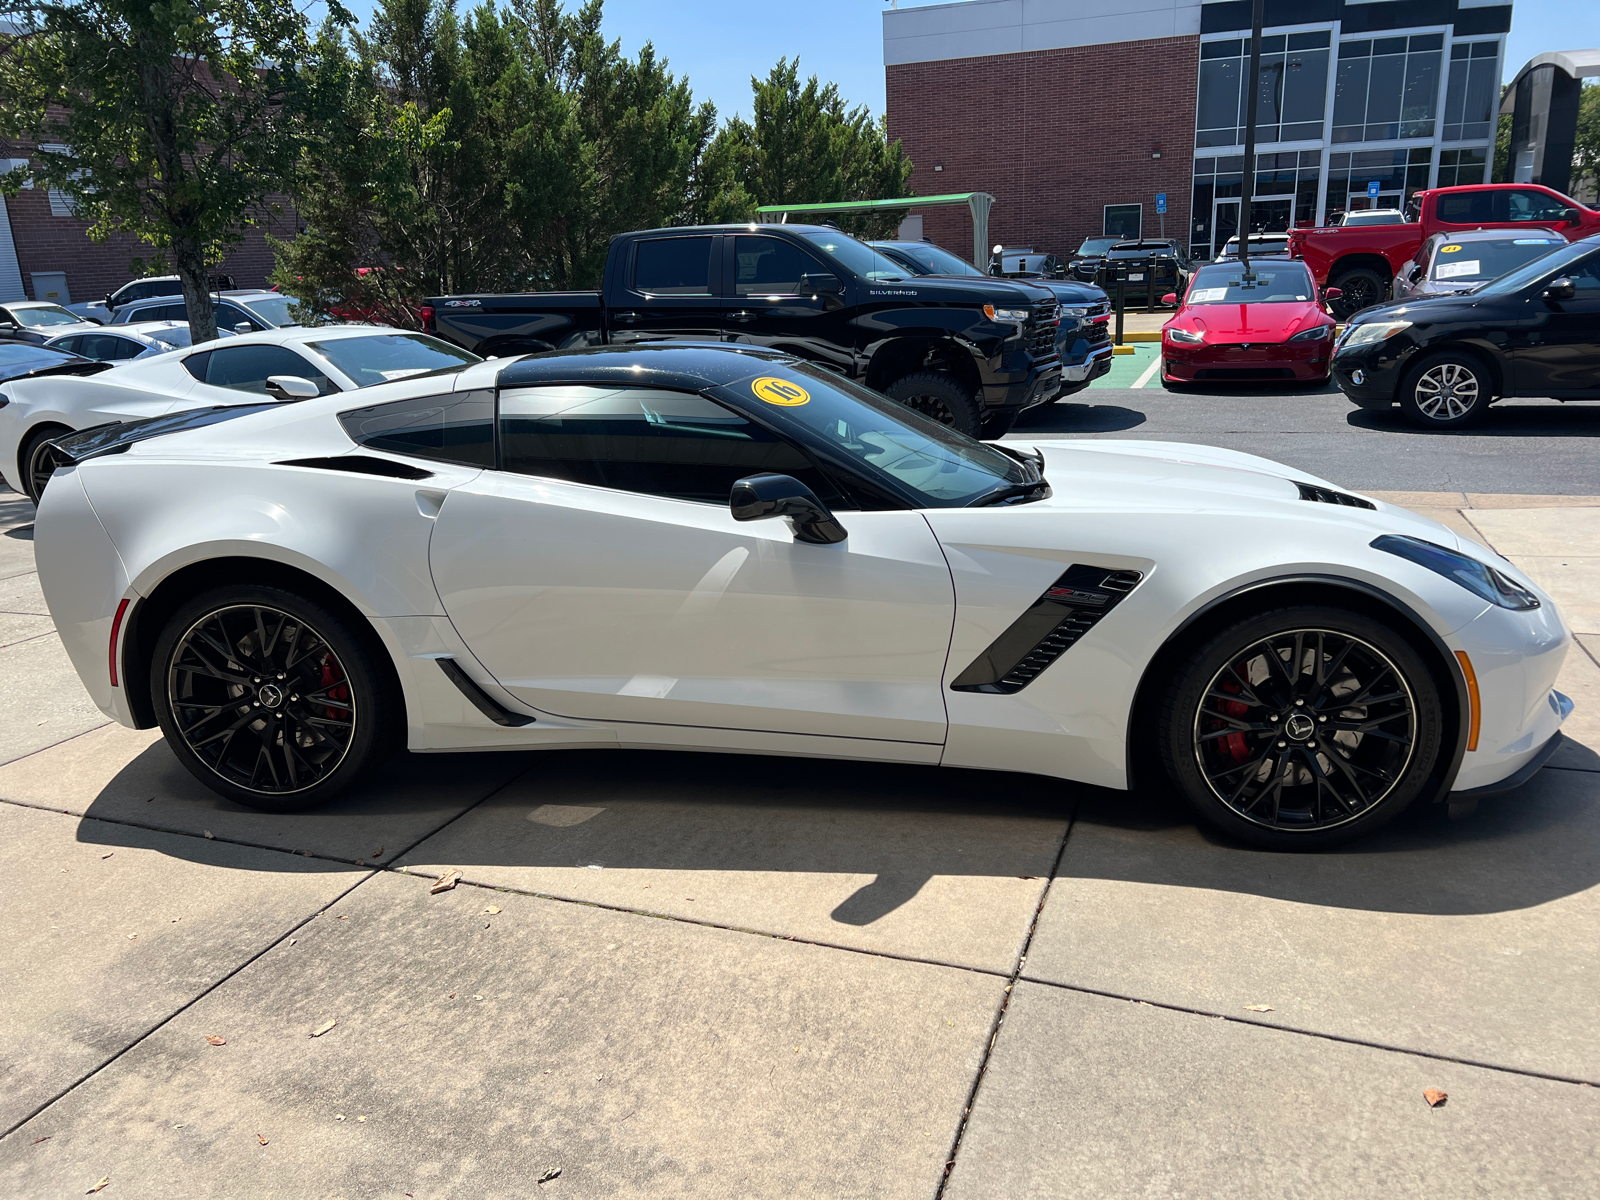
column 1574, row 217
column 1170, row 298
column 1561, row 289
column 1332, row 293
column 822, row 282
column 756, row 497
column 290, row 387
column 244, row 327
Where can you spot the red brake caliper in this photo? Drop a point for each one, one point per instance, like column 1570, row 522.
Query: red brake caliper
column 1234, row 745
column 331, row 674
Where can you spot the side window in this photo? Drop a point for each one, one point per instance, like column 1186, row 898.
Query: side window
column 161, row 312
column 673, row 444
column 1585, row 276
column 1535, row 206
column 103, row 347
column 70, row 345
column 229, row 317
column 769, row 266
column 1467, row 208
column 456, row 427
column 673, row 266
column 246, row 368
column 196, row 364
column 125, row 348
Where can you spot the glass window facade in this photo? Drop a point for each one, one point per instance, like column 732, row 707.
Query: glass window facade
column 1472, row 92
column 1285, row 194
column 1293, row 95
column 1387, row 88
column 1399, row 174
column 1462, row 166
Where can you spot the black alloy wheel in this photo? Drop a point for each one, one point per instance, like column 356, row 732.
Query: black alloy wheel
column 1446, row 391
column 40, row 461
column 939, row 396
column 1360, row 289
column 270, row 699
column 1303, row 728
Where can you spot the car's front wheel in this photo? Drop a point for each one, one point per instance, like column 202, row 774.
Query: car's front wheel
column 271, row 699
column 940, row 396
column 1302, row 728
column 40, row 460
column 1446, row 391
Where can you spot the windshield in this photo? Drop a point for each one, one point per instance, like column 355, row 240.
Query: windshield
column 933, row 260
column 175, row 338
column 388, row 356
column 858, row 258
column 1096, row 245
column 1543, row 267
column 45, row 315
column 274, row 310
column 1274, row 283
column 876, row 437
column 1477, row 261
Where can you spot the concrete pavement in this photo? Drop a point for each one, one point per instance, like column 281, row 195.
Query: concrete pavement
column 732, row 976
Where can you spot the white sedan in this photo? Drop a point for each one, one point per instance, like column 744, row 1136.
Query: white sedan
column 304, row 362
column 719, row 549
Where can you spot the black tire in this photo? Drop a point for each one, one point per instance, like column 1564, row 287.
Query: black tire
column 1448, row 390
column 1230, row 765
column 209, row 659
column 942, row 397
column 1362, row 288
column 39, row 461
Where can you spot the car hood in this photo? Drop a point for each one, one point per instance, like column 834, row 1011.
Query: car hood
column 1418, row 309
column 1224, row 323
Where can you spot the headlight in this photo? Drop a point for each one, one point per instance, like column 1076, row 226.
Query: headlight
column 1191, row 337
column 1373, row 331
column 1076, row 310
column 1011, row 316
column 1312, row 335
column 1478, row 578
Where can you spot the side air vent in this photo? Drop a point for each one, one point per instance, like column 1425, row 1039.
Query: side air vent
column 359, row 464
column 479, row 699
column 1322, row 495
column 1070, row 607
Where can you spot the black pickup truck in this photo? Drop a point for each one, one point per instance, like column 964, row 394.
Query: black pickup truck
column 972, row 353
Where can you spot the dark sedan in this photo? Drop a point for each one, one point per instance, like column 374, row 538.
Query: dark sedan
column 1534, row 331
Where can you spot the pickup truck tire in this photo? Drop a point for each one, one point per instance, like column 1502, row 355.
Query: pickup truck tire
column 1362, row 289
column 940, row 396
column 1448, row 390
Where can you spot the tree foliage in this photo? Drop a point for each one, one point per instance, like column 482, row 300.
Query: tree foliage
column 178, row 116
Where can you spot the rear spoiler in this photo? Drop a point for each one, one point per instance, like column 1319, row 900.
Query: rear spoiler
column 116, row 437
column 84, row 366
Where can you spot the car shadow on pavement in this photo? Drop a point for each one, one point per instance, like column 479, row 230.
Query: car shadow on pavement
column 1078, row 417
column 538, row 820
column 1547, row 419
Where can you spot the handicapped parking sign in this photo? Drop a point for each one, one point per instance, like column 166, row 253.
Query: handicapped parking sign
column 1372, row 189
column 1161, row 202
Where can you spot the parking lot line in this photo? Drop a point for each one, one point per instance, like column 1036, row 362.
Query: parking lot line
column 1148, row 372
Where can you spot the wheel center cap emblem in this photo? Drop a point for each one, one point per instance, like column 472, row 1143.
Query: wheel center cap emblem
column 1300, row 727
column 270, row 695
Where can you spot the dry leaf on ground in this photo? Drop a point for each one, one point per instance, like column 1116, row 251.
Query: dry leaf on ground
column 211, row 835
column 324, row 1027
column 105, row 856
column 444, row 883
column 45, row 1138
column 549, row 1175
column 1434, row 1097
column 1258, row 1008
column 104, row 1179
column 492, row 909
column 262, row 1138
column 378, row 853
column 215, row 1040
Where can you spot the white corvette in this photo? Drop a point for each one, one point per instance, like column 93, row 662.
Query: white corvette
column 239, row 370
column 719, row 549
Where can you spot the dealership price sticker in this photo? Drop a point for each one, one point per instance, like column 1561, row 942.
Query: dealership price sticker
column 1454, row 270
column 1208, row 295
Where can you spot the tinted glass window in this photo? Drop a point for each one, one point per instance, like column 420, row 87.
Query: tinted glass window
column 858, row 258
column 455, row 427
column 105, row 347
column 161, row 312
column 230, row 317
column 196, row 364
column 1586, row 277
column 45, row 316
column 1274, row 283
column 1534, row 206
column 247, row 368
column 70, row 345
column 768, row 266
column 672, row 444
column 274, row 310
column 388, row 356
column 1571, row 259
column 933, row 260
column 673, row 266
column 1466, row 208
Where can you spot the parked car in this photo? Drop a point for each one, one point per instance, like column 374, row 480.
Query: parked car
column 123, row 342
column 1361, row 261
column 1026, row 263
column 22, row 360
column 159, row 285
column 273, row 365
column 247, row 311
column 1369, row 216
column 1268, row 325
column 1083, row 338
column 719, row 547
column 38, row 321
column 1262, row 245
column 1461, row 262
column 970, row 352
column 1084, row 265
column 1154, row 267
column 1534, row 331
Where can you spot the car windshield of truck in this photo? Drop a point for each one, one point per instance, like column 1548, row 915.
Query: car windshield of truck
column 1094, row 246
column 385, row 357
column 933, row 260
column 45, row 315
column 860, row 259
column 937, row 466
column 1273, row 283
column 1547, row 266
column 1480, row 260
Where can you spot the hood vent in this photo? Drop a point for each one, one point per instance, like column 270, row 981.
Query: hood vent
column 1322, row 495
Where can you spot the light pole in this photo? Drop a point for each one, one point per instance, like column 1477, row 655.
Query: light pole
column 1253, row 82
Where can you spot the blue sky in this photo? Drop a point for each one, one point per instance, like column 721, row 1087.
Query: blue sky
column 719, row 44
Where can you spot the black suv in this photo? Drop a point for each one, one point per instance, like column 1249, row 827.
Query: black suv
column 1155, row 267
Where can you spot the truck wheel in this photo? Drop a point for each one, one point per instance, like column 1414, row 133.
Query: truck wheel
column 939, row 396
column 1362, row 289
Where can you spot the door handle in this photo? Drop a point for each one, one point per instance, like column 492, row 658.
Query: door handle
column 627, row 316
column 744, row 314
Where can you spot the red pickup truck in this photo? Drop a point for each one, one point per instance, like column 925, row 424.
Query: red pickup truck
column 1362, row 260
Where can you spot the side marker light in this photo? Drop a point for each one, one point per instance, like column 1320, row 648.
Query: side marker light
column 1475, row 708
column 116, row 629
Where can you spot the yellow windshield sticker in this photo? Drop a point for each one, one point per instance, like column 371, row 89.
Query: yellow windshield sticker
column 1448, row 249
column 780, row 391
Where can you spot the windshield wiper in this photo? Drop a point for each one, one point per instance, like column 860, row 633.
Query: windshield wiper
column 1014, row 493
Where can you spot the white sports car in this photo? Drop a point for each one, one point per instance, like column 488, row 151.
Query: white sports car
column 240, row 370
column 719, row 549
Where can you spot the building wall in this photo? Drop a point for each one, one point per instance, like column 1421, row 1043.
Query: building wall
column 1053, row 135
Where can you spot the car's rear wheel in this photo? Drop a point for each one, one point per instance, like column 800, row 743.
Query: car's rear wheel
column 1302, row 728
column 1446, row 391
column 939, row 396
column 1360, row 289
column 40, row 460
column 271, row 699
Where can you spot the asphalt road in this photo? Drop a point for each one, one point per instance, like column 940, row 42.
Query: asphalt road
column 1528, row 447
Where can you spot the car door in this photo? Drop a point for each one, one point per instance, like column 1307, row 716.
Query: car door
column 1557, row 352
column 600, row 575
column 768, row 303
column 669, row 290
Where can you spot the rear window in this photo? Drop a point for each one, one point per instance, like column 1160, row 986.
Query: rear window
column 673, row 266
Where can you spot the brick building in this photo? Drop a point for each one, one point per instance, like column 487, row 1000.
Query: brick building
column 1077, row 114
